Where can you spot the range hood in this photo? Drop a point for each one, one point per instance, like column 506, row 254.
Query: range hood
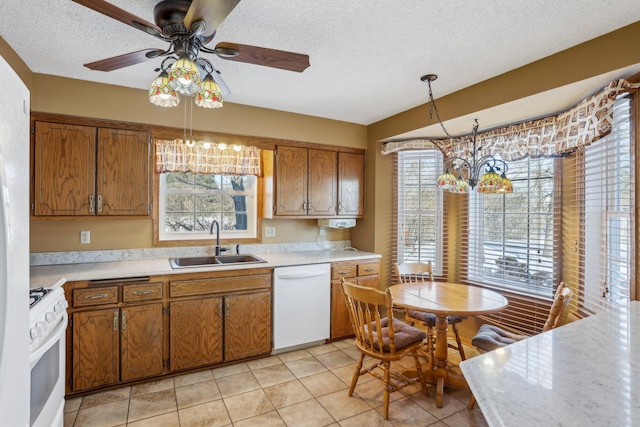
column 337, row 223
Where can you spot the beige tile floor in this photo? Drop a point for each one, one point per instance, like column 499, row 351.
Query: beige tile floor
column 300, row 388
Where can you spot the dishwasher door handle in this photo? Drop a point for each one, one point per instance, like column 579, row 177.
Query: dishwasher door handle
column 306, row 275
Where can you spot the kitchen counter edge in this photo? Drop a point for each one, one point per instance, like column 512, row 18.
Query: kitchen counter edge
column 51, row 276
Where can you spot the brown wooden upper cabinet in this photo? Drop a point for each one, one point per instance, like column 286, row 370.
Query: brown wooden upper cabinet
column 350, row 184
column 316, row 183
column 87, row 171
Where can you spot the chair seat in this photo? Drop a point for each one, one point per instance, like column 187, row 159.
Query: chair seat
column 429, row 319
column 404, row 334
column 491, row 337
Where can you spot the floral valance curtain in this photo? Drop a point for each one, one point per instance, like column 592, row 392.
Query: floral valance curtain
column 554, row 135
column 175, row 156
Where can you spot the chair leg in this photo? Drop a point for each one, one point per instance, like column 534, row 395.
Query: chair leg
column 356, row 375
column 472, row 401
column 460, row 348
column 420, row 375
column 387, row 386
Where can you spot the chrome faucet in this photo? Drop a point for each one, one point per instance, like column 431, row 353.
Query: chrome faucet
column 218, row 249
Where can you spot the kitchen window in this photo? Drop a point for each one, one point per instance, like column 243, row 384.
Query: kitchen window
column 206, row 182
column 190, row 202
column 419, row 230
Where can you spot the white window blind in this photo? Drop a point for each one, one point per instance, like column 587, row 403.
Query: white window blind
column 510, row 244
column 605, row 183
column 419, row 209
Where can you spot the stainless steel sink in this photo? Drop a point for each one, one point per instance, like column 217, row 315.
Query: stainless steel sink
column 238, row 259
column 214, row 261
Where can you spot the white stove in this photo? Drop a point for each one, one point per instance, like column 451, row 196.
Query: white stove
column 47, row 308
column 47, row 331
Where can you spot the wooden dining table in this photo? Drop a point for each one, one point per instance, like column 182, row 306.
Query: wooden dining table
column 444, row 299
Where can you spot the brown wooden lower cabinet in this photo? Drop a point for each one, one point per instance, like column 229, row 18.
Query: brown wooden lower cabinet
column 364, row 272
column 141, row 339
column 95, row 348
column 112, row 345
column 247, row 329
column 122, row 332
column 195, row 335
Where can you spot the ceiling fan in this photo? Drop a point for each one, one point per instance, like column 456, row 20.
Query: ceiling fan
column 188, row 26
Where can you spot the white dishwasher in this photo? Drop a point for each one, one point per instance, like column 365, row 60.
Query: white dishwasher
column 301, row 305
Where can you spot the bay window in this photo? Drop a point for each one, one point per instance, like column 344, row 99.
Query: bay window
column 606, row 196
column 419, row 231
column 511, row 237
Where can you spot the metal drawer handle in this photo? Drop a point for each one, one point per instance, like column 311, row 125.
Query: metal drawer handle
column 370, row 269
column 97, row 296
column 344, row 271
column 145, row 292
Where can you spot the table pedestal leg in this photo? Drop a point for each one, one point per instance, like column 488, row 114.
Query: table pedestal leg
column 439, row 372
column 440, row 363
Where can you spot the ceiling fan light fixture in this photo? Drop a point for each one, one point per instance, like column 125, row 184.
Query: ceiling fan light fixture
column 184, row 76
column 161, row 94
column 209, row 95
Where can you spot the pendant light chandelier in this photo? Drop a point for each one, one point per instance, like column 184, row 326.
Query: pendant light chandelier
column 183, row 78
column 487, row 172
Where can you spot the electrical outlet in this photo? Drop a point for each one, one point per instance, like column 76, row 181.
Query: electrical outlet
column 270, row 232
column 85, row 237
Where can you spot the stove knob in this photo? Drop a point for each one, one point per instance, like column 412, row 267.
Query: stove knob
column 43, row 325
column 60, row 307
column 50, row 317
column 36, row 331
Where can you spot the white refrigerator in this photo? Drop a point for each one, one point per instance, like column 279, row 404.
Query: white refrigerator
column 14, row 249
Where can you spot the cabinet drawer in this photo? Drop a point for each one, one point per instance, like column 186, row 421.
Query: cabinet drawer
column 340, row 270
column 182, row 288
column 142, row 292
column 369, row 268
column 95, row 296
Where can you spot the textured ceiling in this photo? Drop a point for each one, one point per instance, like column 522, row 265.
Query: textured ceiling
column 366, row 56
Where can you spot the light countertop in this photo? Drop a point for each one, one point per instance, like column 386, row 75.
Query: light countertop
column 586, row 373
column 56, row 275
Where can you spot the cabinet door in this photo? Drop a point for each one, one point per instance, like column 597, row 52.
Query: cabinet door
column 340, row 322
column 123, row 172
column 141, row 332
column 247, row 325
column 64, row 170
column 322, row 183
column 291, row 181
column 351, row 184
column 95, row 348
column 195, row 332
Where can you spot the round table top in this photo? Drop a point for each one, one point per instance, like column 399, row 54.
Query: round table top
column 447, row 298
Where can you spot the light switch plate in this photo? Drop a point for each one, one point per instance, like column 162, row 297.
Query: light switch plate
column 270, row 232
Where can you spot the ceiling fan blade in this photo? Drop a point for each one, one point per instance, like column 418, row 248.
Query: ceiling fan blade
column 266, row 57
column 121, row 15
column 212, row 12
column 125, row 60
